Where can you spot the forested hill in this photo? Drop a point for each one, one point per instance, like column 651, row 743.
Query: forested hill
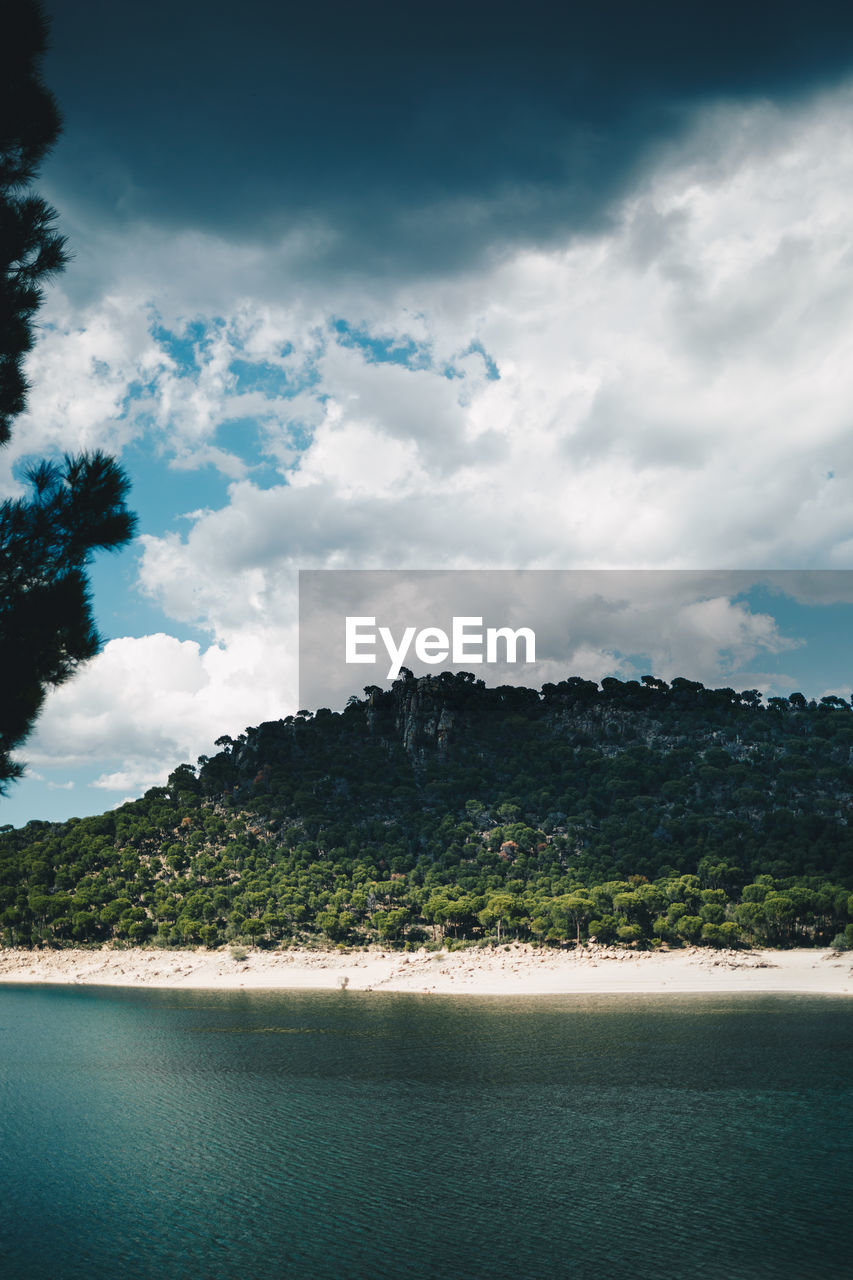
column 637, row 812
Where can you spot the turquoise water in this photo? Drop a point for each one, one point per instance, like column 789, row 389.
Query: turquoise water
column 348, row 1135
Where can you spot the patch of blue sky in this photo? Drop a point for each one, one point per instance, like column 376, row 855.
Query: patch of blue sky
column 162, row 495
column 269, row 449
column 452, row 370
column 163, row 499
column 823, row 661
column 243, row 438
column 295, row 441
column 121, row 608
column 46, row 792
column 406, row 351
column 383, row 349
column 270, row 379
column 269, row 474
column 140, row 393
column 816, row 655
column 187, row 346
column 299, row 436
column 138, row 390
column 238, row 435
column 492, row 371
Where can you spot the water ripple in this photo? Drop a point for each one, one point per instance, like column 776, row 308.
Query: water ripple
column 155, row 1134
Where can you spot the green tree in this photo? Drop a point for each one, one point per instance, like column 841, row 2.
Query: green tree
column 689, row 928
column 571, row 908
column 500, row 909
column 254, row 928
column 390, row 923
column 31, row 250
column 46, row 539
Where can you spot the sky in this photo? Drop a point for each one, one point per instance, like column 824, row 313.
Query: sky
column 775, row 631
column 472, row 287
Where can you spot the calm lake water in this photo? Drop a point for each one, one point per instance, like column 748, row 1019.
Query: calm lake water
column 349, row 1135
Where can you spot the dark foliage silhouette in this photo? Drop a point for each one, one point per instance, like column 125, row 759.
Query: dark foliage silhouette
column 46, row 539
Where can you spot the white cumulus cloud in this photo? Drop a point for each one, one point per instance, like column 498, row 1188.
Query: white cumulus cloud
column 674, row 391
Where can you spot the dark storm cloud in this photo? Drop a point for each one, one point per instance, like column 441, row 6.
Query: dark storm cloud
column 411, row 136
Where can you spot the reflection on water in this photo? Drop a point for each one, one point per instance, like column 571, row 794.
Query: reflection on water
column 349, row 1134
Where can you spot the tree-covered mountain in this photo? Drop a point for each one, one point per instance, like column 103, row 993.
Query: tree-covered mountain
column 639, row 812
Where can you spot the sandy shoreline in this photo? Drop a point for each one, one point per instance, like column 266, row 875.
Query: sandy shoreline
column 517, row 970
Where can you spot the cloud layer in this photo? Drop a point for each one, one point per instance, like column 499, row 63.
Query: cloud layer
column 394, row 141
column 671, row 391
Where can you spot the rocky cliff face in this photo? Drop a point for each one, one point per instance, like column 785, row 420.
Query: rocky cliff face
column 430, row 713
column 450, row 713
column 422, row 718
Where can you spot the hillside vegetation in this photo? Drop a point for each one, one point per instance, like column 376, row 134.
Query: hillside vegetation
column 440, row 810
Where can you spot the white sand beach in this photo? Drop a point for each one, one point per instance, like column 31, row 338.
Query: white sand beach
column 511, row 970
